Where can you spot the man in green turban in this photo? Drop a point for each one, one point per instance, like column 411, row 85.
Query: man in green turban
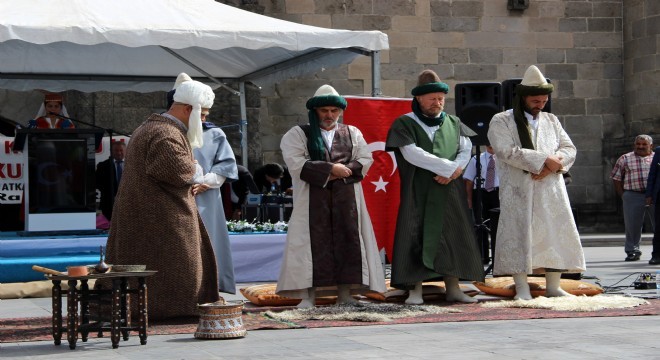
column 330, row 246
column 434, row 235
column 536, row 231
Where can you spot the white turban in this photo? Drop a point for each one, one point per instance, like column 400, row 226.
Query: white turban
column 199, row 96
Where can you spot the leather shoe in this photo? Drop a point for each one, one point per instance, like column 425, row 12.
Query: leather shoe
column 654, row 261
column 633, row 256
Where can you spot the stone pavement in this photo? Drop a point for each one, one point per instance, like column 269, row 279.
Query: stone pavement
column 576, row 338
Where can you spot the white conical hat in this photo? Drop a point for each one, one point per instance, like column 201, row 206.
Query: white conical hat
column 325, row 90
column 183, row 77
column 533, row 77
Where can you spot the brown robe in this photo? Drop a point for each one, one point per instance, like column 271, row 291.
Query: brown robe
column 155, row 221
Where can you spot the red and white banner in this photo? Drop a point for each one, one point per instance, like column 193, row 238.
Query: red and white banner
column 374, row 116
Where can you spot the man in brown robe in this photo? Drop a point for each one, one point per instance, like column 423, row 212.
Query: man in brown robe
column 330, row 248
column 155, row 219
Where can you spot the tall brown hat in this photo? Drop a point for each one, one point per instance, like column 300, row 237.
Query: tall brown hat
column 428, row 82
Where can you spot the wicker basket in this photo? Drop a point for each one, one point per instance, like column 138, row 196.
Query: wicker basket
column 220, row 320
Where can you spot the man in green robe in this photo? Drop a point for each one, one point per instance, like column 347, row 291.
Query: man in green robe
column 435, row 235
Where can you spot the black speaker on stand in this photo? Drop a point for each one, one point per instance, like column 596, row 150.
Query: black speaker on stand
column 476, row 104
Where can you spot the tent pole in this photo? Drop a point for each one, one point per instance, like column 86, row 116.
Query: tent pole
column 375, row 74
column 244, row 130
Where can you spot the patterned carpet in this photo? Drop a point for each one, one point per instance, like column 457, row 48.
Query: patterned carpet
column 39, row 329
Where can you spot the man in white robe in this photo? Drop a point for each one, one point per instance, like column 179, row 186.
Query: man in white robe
column 536, row 230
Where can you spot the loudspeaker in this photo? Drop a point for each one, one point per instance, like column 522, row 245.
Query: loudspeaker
column 476, row 103
column 509, row 90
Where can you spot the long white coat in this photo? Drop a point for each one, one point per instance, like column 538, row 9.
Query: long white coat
column 536, row 228
column 296, row 271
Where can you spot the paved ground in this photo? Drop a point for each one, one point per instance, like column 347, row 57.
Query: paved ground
column 632, row 337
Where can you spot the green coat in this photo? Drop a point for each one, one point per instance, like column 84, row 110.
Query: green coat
column 435, row 233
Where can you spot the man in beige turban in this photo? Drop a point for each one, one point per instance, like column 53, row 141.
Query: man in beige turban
column 155, row 219
column 536, row 231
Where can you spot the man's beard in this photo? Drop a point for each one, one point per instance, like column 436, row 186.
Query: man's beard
column 531, row 111
column 433, row 112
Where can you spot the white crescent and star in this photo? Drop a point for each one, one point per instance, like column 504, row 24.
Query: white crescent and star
column 380, row 146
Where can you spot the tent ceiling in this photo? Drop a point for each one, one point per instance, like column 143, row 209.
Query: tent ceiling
column 129, row 45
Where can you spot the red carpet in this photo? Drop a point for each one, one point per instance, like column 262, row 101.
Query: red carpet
column 36, row 329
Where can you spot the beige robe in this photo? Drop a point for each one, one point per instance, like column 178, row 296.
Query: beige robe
column 536, row 228
column 296, row 272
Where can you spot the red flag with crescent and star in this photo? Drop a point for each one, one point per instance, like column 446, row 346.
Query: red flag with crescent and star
column 374, row 116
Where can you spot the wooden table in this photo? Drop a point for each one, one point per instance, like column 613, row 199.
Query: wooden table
column 119, row 296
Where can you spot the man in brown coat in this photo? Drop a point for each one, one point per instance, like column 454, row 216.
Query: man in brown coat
column 155, row 219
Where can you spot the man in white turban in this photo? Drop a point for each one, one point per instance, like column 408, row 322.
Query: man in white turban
column 536, row 231
column 155, row 220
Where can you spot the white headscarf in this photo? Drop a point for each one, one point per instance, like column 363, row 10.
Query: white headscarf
column 200, row 96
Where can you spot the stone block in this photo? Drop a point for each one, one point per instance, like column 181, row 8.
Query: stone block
column 589, row 71
column 427, row 55
column 595, row 194
column 411, row 23
column 510, row 71
column 612, row 71
column 644, row 63
column 585, row 88
column 379, row 22
column 543, row 24
column 501, row 40
column 400, row 71
column 563, row 89
column 467, row 9
column 452, row 56
column 589, row 157
column 287, row 106
column 586, row 56
column 402, row 55
column 359, row 70
column 408, row 39
column 597, row 40
column 317, row 20
column 445, row 40
column 615, row 87
column 505, row 24
column 486, row 56
column 103, row 98
column 578, row 9
column 561, row 71
column 588, row 175
column 569, row 106
column 449, row 24
column 395, row 88
column 576, row 193
column 638, row 29
column 605, row 106
column 349, row 22
column 613, row 126
column 496, row 8
column 481, row 72
column 558, row 40
column 573, row 25
column 343, row 7
column 549, row 56
column 519, row 56
column 299, row 6
column 273, row 6
column 583, row 125
column 550, row 9
column 423, row 7
column 610, row 9
column 392, row 7
column 440, row 7
column 601, row 24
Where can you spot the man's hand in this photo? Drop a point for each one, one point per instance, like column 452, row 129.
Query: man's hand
column 199, row 188
column 340, row 171
column 457, row 173
column 553, row 163
column 442, row 180
column 544, row 172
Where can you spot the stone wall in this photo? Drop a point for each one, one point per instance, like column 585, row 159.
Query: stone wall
column 577, row 44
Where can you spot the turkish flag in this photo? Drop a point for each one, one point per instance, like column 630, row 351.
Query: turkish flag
column 374, row 116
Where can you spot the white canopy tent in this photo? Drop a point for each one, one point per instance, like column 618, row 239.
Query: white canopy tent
column 141, row 45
